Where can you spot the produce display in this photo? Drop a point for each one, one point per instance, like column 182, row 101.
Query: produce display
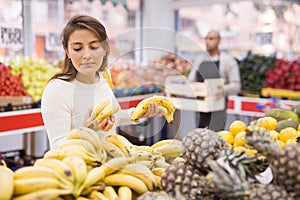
column 203, row 165
column 35, row 74
column 252, row 72
column 11, row 84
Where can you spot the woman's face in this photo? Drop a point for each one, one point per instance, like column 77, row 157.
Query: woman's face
column 86, row 53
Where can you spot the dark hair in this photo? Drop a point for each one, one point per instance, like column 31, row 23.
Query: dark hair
column 78, row 22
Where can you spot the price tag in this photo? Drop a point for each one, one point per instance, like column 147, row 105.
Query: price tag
column 11, row 37
column 263, row 38
column 53, row 42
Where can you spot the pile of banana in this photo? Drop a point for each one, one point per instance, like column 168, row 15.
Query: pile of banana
column 163, row 103
column 102, row 110
column 89, row 165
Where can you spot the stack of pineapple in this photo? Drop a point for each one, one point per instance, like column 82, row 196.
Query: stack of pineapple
column 229, row 164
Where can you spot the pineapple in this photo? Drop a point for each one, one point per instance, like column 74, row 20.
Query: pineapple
column 183, row 178
column 233, row 177
column 202, row 144
column 284, row 162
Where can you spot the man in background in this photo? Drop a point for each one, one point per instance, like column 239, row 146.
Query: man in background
column 227, row 69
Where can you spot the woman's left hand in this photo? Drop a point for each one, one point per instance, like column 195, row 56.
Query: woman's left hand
column 153, row 110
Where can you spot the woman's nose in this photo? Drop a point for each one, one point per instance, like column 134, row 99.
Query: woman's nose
column 87, row 53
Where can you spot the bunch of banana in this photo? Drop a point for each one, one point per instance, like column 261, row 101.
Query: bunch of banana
column 169, row 148
column 82, row 142
column 6, row 183
column 164, row 103
column 123, row 144
column 47, row 179
column 102, row 110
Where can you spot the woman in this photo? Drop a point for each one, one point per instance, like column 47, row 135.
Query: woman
column 70, row 95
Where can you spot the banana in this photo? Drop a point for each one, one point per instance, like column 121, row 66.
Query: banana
column 147, row 163
column 80, row 142
column 139, row 171
column 44, row 194
column 101, row 104
column 79, row 170
column 158, row 171
column 60, row 167
column 144, row 155
column 107, row 75
column 161, row 162
column 123, row 143
column 165, row 142
column 98, row 173
column 96, row 195
column 142, row 107
column 27, row 185
column 85, row 134
column 125, row 193
column 74, row 150
column 143, row 148
column 170, row 151
column 110, row 193
column 111, row 149
column 102, row 155
column 38, row 171
column 157, row 181
column 106, row 112
column 168, row 115
column 132, row 182
column 6, row 183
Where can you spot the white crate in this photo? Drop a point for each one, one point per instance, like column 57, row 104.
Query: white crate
column 194, row 96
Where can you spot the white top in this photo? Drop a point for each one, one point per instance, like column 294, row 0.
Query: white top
column 65, row 104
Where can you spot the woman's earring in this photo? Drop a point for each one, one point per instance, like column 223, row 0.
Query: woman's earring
column 69, row 59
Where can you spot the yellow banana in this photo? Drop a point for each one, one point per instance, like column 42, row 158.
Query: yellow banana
column 132, row 182
column 107, row 75
column 106, row 112
column 38, row 171
column 74, row 150
column 6, row 183
column 143, row 148
column 144, row 155
column 60, row 167
column 27, row 185
column 112, row 149
column 165, row 142
column 139, row 171
column 44, row 194
column 125, row 193
column 82, row 198
column 79, row 170
column 102, row 155
column 123, row 143
column 158, row 171
column 157, row 180
column 85, row 134
column 167, row 114
column 142, row 107
column 110, row 193
column 98, row 173
column 161, row 162
column 101, row 104
column 80, row 142
column 96, row 195
column 147, row 163
column 170, row 151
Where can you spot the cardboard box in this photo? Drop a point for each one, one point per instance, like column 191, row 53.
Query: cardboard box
column 194, row 96
column 4, row 101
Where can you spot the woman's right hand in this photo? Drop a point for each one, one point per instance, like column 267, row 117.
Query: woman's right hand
column 105, row 125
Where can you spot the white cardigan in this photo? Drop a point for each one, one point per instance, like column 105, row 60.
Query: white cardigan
column 65, row 104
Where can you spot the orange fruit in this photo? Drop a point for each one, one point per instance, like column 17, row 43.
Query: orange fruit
column 237, row 126
column 287, row 133
column 269, row 123
column 227, row 135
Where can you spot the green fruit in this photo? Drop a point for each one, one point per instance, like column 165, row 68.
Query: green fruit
column 296, row 109
column 285, row 124
column 282, row 114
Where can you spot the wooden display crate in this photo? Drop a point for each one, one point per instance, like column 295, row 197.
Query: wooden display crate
column 4, row 101
column 194, row 96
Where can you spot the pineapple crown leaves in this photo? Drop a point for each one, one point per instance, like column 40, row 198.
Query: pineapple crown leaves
column 259, row 139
